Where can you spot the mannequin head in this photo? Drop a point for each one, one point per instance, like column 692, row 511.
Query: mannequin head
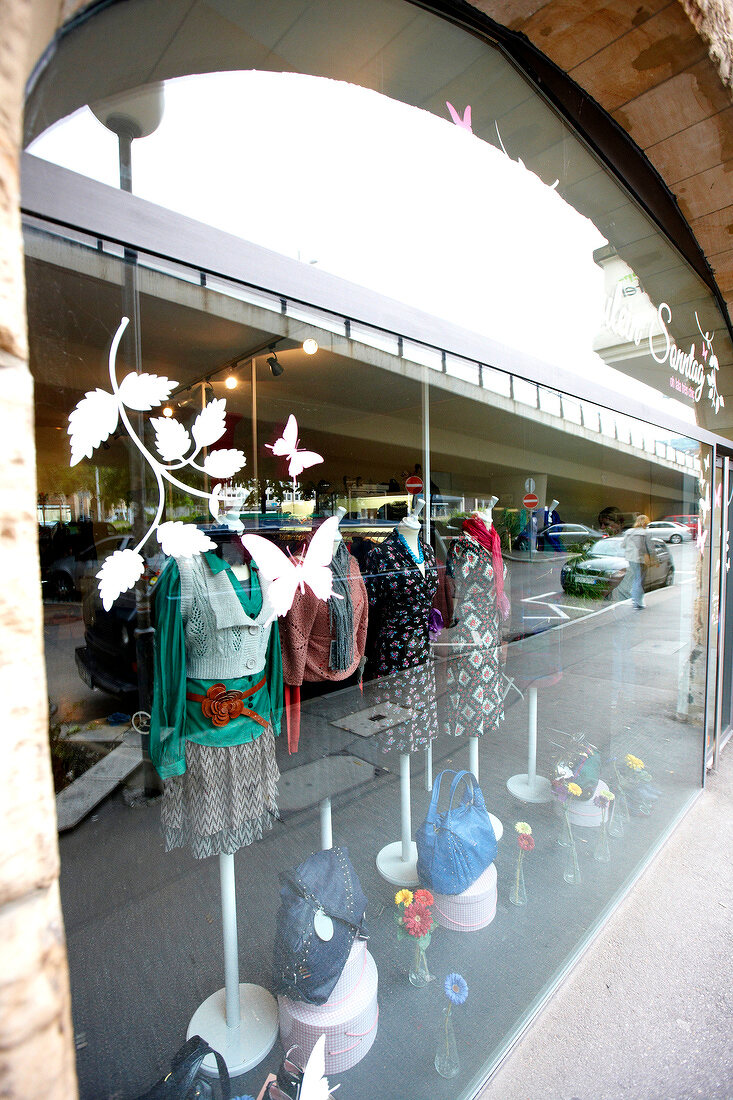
column 486, row 513
column 411, row 522
column 340, row 512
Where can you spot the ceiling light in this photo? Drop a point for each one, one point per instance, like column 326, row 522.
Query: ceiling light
column 231, row 382
column 167, row 410
column 310, row 346
column 276, row 367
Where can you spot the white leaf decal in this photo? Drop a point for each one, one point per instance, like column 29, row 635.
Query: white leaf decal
column 224, row 463
column 183, row 540
column 209, row 424
column 118, row 574
column 145, row 391
column 91, row 422
column 171, row 438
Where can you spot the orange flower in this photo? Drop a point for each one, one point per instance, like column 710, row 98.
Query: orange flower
column 424, row 896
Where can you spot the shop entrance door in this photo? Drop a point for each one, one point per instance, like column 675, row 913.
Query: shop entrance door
column 723, row 591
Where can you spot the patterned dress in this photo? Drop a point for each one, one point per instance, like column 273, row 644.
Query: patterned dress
column 398, row 642
column 474, row 681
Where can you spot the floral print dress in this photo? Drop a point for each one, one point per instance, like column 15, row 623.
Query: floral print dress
column 474, row 682
column 398, row 642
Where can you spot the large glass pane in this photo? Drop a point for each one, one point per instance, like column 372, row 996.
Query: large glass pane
column 450, row 682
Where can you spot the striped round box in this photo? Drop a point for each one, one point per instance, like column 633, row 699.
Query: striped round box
column 348, row 1018
column 471, row 910
column 587, row 814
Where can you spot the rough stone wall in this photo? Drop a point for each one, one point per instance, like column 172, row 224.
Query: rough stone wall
column 713, row 21
column 36, row 1040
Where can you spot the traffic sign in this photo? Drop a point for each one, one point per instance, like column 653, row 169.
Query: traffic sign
column 529, row 485
column 531, row 500
column 414, row 484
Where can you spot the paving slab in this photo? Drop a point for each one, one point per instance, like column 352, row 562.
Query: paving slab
column 85, row 793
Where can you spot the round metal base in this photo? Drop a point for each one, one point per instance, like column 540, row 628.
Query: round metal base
column 539, row 791
column 393, row 868
column 244, row 1047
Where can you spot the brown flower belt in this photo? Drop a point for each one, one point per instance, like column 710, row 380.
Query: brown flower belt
column 221, row 705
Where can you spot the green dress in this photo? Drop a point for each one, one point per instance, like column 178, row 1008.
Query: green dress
column 212, row 739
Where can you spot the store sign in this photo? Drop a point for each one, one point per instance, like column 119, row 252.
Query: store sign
column 692, row 375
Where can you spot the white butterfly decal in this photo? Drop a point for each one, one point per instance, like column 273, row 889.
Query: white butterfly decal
column 287, row 574
column 314, row 1085
column 287, row 445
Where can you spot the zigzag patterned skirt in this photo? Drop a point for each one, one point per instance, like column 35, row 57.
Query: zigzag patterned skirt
column 225, row 799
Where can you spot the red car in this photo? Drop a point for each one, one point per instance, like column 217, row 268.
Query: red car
column 686, row 521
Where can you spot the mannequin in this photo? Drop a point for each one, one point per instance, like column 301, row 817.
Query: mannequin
column 216, row 710
column 475, row 679
column 402, row 579
column 409, row 529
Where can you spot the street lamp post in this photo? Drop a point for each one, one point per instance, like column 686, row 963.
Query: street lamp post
column 129, row 116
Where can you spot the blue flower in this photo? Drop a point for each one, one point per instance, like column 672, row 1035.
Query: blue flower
column 456, row 989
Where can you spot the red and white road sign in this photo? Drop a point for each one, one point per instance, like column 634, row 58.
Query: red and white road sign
column 414, row 485
column 531, row 500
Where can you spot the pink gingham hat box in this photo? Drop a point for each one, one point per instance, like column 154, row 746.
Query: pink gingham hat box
column 471, row 910
column 349, row 1017
column 587, row 814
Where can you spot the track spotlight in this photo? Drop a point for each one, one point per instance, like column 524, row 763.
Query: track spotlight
column 310, row 346
column 231, row 382
column 276, row 367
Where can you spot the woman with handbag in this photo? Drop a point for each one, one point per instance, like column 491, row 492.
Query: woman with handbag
column 638, row 551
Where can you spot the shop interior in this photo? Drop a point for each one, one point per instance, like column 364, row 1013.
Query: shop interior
column 143, row 926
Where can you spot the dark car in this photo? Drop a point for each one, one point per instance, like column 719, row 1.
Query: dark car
column 602, row 568
column 108, row 658
column 561, row 538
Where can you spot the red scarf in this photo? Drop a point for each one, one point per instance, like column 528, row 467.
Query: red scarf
column 488, row 537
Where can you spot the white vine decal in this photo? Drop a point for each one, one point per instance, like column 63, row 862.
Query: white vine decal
column 96, row 417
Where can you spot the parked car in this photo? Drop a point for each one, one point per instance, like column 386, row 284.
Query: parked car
column 63, row 577
column 601, row 570
column 561, row 537
column 669, row 531
column 108, row 658
column 686, row 521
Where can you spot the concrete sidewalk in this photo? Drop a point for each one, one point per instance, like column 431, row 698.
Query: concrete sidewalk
column 646, row 1014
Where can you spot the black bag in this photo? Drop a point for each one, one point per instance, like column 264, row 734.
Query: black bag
column 185, row 1081
column 321, row 913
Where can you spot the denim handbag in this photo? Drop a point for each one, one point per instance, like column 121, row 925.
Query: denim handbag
column 454, row 848
column 321, row 913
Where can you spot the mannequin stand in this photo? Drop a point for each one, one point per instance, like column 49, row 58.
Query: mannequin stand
column 326, row 826
column 531, row 787
column 397, row 862
column 240, row 1020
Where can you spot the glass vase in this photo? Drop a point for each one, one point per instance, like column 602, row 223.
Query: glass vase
column 419, row 974
column 602, row 852
column 446, row 1054
column 616, row 823
column 518, row 894
column 565, row 839
column 571, row 873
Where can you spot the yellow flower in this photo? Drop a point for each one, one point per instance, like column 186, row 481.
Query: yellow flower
column 609, row 795
column 634, row 762
column 403, row 897
column 573, row 788
column 524, row 828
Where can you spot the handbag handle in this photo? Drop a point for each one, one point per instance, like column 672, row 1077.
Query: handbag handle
column 432, row 815
column 476, row 793
column 471, row 782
